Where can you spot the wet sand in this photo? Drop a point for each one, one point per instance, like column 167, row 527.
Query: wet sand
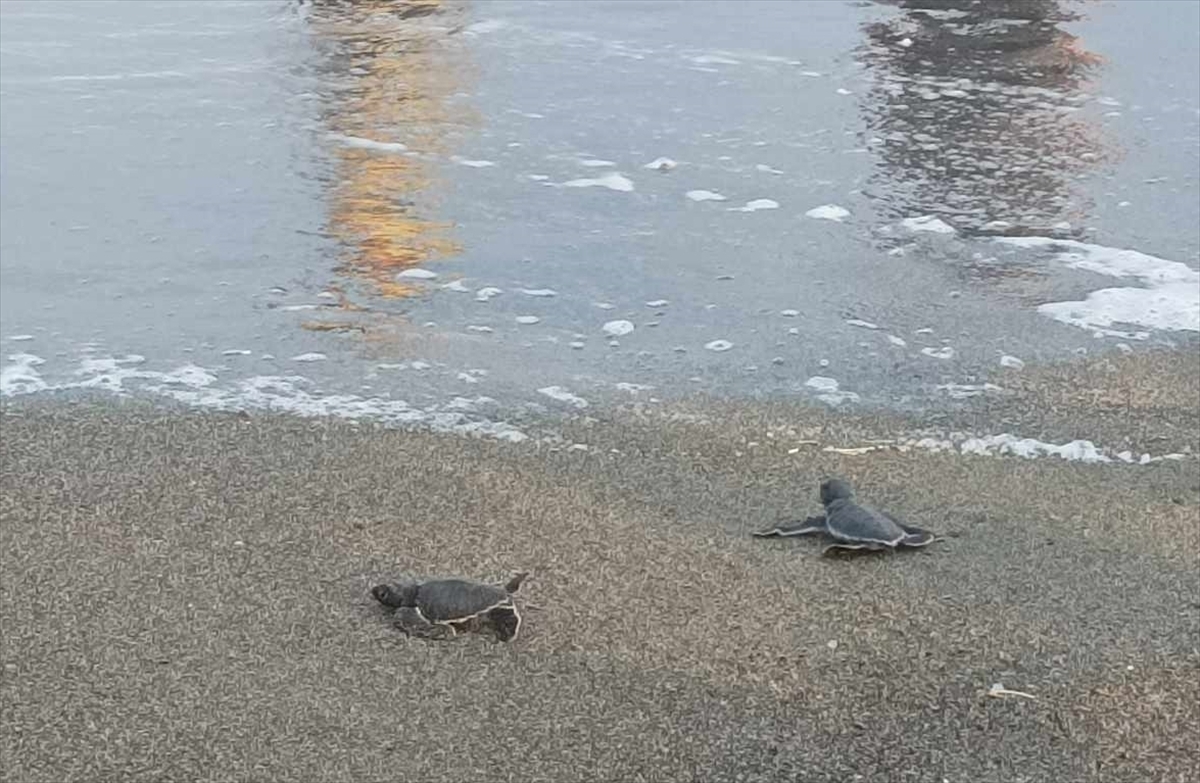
column 185, row 596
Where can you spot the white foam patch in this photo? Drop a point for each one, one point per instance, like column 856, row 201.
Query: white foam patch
column 1168, row 308
column 714, row 59
column 486, row 293
column 562, row 395
column 704, row 195
column 309, row 357
column 1006, row 444
column 756, row 205
column 661, row 164
column 594, row 163
column 528, row 319
column 193, row 385
column 117, row 77
column 474, row 164
column 766, row 169
column 358, row 142
column 1110, row 261
column 613, row 181
column 894, row 340
column 633, row 388
column 861, row 324
column 485, row 27
column 19, row 377
column 830, row 391
column 92, row 364
column 617, row 328
column 1011, row 362
column 927, row 223
column 718, row 345
column 415, row 365
column 828, row 212
column 541, row 292
column 1169, row 300
column 939, row 353
column 191, row 376
column 110, row 374
column 416, row 274
column 457, row 286
column 822, row 383
column 21, row 338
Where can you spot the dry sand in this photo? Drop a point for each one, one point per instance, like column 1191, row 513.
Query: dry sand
column 185, row 597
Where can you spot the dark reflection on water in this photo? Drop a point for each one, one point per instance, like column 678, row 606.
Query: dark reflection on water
column 974, row 115
column 388, row 73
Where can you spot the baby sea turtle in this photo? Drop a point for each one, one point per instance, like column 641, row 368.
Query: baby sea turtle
column 850, row 525
column 442, row 607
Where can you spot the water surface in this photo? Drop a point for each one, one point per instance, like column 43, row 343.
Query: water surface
column 400, row 209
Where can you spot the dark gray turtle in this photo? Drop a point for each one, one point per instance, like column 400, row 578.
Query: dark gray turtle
column 850, row 525
column 443, row 607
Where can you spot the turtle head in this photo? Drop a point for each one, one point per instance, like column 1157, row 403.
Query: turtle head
column 835, row 489
column 385, row 595
column 395, row 595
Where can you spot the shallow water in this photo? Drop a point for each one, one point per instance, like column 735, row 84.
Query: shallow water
column 407, row 210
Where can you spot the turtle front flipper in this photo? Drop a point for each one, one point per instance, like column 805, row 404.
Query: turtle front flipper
column 801, row 527
column 505, row 621
column 410, row 620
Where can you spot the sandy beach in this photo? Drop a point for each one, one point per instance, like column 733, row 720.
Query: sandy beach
column 185, row 597
column 299, row 297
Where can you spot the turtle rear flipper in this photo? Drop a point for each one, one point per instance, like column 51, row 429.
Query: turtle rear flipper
column 505, row 621
column 801, row 527
column 913, row 536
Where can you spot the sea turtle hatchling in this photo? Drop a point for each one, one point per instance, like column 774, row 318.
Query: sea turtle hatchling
column 441, row 608
column 850, row 525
